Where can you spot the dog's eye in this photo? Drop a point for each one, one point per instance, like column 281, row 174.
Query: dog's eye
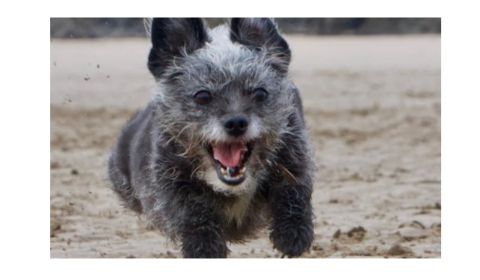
column 202, row 97
column 260, row 94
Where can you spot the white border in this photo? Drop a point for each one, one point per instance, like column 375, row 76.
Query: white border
column 25, row 139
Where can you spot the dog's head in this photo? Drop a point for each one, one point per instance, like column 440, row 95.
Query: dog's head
column 224, row 94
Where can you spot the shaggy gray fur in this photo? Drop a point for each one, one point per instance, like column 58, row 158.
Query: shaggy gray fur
column 161, row 165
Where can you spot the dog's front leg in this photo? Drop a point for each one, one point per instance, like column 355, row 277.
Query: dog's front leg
column 290, row 197
column 194, row 212
column 292, row 228
column 202, row 236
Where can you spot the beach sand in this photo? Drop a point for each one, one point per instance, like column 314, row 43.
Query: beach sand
column 373, row 110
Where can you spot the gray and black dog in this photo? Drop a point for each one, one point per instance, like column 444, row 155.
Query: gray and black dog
column 221, row 150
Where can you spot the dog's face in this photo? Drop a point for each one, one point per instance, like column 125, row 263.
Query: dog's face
column 224, row 94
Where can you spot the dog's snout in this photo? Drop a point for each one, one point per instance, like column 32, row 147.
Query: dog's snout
column 236, row 126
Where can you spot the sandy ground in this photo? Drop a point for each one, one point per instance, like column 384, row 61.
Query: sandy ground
column 373, row 110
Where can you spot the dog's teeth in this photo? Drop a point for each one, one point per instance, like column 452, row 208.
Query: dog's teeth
column 242, row 171
column 223, row 170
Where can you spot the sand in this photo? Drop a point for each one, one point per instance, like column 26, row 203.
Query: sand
column 373, row 110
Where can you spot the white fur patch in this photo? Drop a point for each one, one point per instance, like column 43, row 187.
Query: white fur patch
column 236, row 211
column 254, row 128
column 214, row 131
column 243, row 193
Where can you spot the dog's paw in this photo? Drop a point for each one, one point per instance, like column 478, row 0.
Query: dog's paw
column 292, row 239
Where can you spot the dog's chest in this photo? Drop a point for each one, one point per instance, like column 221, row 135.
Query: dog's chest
column 236, row 210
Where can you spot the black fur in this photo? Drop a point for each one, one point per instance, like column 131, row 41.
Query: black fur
column 168, row 41
column 153, row 175
column 262, row 32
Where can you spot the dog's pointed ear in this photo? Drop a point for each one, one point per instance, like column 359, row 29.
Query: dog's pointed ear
column 262, row 33
column 174, row 37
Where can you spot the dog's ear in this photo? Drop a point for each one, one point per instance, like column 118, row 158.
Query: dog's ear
column 262, row 33
column 174, row 37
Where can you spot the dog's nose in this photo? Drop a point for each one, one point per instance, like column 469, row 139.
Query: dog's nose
column 236, row 126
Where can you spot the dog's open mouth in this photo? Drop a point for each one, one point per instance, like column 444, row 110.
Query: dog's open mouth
column 230, row 161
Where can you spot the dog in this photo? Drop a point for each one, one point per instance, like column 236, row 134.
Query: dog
column 221, row 150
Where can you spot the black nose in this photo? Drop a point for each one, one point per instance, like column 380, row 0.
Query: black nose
column 236, row 126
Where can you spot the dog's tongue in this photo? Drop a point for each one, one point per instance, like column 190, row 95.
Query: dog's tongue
column 229, row 154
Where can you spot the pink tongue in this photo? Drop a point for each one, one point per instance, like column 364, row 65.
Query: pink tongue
column 229, row 154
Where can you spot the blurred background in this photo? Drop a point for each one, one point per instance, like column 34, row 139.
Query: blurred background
column 373, row 110
column 133, row 27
